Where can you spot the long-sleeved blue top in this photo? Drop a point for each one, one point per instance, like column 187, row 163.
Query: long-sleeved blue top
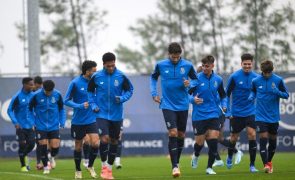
column 268, row 92
column 174, row 94
column 75, row 97
column 211, row 90
column 17, row 109
column 48, row 111
column 239, row 87
column 108, row 92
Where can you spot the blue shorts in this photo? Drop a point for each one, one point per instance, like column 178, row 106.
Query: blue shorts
column 175, row 119
column 27, row 135
column 79, row 131
column 47, row 134
column 110, row 128
column 237, row 124
column 201, row 127
column 271, row 128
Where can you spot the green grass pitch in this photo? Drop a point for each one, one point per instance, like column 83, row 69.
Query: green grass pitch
column 158, row 168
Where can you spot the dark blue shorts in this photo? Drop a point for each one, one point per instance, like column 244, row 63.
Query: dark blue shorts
column 237, row 124
column 271, row 128
column 111, row 128
column 27, row 135
column 79, row 131
column 201, row 127
column 47, row 134
column 175, row 119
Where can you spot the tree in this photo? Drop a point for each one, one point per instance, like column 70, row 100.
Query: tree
column 64, row 42
column 265, row 29
column 194, row 24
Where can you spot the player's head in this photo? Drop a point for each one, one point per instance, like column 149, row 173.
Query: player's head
column 88, row 68
column 38, row 82
column 174, row 51
column 266, row 67
column 109, row 60
column 208, row 64
column 48, row 87
column 28, row 83
column 247, row 62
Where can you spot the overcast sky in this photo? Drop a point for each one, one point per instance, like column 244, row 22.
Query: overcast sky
column 121, row 14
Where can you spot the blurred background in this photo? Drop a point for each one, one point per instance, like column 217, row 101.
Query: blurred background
column 52, row 39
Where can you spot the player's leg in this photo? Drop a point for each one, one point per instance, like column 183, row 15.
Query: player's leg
column 91, row 131
column 181, row 128
column 54, row 142
column 20, row 136
column 42, row 137
column 86, row 150
column 171, row 124
column 199, row 129
column 119, row 151
column 251, row 132
column 77, row 134
column 262, row 129
column 273, row 131
column 212, row 141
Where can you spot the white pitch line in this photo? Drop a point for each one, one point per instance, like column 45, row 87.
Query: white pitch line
column 32, row 175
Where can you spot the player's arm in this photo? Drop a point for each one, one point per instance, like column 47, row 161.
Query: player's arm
column 153, row 84
column 69, row 97
column 30, row 110
column 252, row 95
column 223, row 97
column 282, row 91
column 127, row 91
column 62, row 113
column 10, row 111
column 91, row 94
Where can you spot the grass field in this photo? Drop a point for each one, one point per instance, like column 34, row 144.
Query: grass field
column 158, row 168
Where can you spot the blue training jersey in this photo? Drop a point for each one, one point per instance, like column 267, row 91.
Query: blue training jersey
column 17, row 109
column 103, row 91
column 174, row 93
column 268, row 92
column 211, row 90
column 48, row 111
column 239, row 87
column 75, row 97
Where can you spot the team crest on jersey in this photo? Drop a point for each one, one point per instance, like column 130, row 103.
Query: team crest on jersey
column 273, row 85
column 215, row 84
column 116, row 82
column 182, row 70
column 53, row 100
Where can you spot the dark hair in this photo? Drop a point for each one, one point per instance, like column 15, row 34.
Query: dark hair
column 26, row 80
column 107, row 57
column 266, row 66
column 246, row 56
column 174, row 48
column 88, row 65
column 209, row 59
column 38, row 80
column 48, row 85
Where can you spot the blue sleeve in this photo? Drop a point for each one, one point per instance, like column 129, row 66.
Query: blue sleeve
column 91, row 93
column 62, row 112
column 127, row 90
column 283, row 92
column 69, row 97
column 230, row 86
column 10, row 111
column 30, row 111
column 153, row 81
column 252, row 95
